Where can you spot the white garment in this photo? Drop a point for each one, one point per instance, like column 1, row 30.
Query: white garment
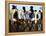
column 37, row 13
column 20, row 14
column 27, row 15
column 12, row 11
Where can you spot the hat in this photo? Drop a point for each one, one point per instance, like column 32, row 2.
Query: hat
column 13, row 7
column 31, row 6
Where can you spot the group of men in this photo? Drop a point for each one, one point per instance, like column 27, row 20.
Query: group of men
column 23, row 14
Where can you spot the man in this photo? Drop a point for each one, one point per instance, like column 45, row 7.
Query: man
column 37, row 16
column 40, row 12
column 39, row 24
column 24, row 12
column 15, row 14
column 13, row 18
column 31, row 14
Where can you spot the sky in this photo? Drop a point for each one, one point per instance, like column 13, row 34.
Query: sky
column 19, row 6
